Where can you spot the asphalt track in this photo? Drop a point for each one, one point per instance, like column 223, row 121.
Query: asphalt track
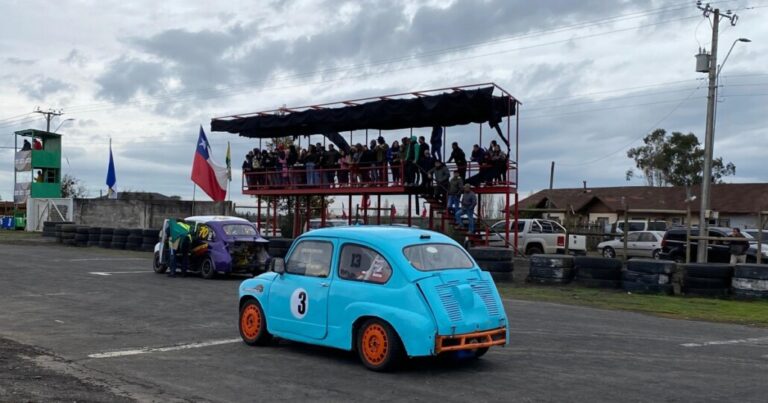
column 108, row 319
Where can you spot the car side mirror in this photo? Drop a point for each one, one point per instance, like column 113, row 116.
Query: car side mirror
column 277, row 265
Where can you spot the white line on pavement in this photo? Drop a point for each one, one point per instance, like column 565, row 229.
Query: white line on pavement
column 109, row 273
column 725, row 342
column 147, row 350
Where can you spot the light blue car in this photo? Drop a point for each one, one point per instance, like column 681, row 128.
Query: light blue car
column 386, row 292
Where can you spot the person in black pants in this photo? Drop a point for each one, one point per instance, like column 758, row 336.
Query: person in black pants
column 458, row 156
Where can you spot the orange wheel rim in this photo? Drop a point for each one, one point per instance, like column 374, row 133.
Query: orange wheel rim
column 250, row 321
column 375, row 344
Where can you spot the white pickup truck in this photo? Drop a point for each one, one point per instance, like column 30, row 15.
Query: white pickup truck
column 535, row 236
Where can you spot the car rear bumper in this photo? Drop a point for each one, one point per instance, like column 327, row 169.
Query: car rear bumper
column 471, row 341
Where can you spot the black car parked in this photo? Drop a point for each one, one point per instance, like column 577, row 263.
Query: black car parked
column 673, row 246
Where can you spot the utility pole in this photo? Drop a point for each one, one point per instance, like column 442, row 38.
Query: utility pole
column 49, row 115
column 709, row 137
column 551, row 175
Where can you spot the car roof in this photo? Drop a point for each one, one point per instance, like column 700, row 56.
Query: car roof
column 374, row 234
column 219, row 218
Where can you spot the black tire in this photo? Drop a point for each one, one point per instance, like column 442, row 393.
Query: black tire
column 136, row 232
column 105, row 239
column 278, row 252
column 488, row 253
column 496, row 266
column 608, row 252
column 551, row 261
column 642, row 288
column 207, row 269
column 81, row 237
column 157, row 266
column 280, row 243
column 378, row 346
column 749, row 294
column 534, row 250
column 613, row 274
column 121, row 231
column 103, row 244
column 753, row 271
column 252, row 324
column 596, row 263
column 551, row 272
column 68, row 235
column 107, row 230
column 642, row 278
column 547, row 280
column 705, row 283
column 68, row 228
column 598, row 283
column 82, row 229
column 119, row 239
column 149, row 239
column 651, row 266
column 117, row 245
column 150, row 233
column 709, row 270
column 502, row 277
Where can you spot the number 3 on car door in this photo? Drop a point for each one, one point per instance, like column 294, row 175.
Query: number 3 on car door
column 298, row 299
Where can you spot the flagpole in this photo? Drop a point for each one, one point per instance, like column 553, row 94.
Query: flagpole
column 194, row 188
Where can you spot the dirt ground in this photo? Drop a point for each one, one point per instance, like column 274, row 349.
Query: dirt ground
column 28, row 374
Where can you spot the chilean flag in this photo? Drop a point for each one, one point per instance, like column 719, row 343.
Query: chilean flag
column 211, row 177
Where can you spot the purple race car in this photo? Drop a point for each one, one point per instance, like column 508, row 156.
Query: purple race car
column 220, row 244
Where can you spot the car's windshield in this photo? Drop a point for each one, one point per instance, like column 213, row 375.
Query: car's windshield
column 239, row 229
column 435, row 256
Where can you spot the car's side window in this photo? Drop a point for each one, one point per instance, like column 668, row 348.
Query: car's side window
column 633, row 237
column 647, row 237
column 310, row 258
column 360, row 263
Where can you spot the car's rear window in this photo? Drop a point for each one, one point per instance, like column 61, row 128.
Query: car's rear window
column 239, row 229
column 437, row 256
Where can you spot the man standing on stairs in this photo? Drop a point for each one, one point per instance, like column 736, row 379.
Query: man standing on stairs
column 455, row 186
column 441, row 176
column 468, row 203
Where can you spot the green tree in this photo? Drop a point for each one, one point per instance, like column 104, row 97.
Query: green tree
column 73, row 187
column 674, row 160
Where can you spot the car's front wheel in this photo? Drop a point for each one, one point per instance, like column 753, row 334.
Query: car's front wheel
column 157, row 266
column 379, row 346
column 609, row 252
column 253, row 324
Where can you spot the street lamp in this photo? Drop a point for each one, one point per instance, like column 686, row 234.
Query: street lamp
column 713, row 69
column 62, row 122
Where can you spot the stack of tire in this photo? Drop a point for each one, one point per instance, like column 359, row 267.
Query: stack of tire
column 597, row 272
column 94, row 235
column 81, row 235
column 119, row 238
column 707, row 279
column 550, row 269
column 278, row 247
column 105, row 237
column 49, row 228
column 497, row 261
column 649, row 276
column 149, row 238
column 68, row 232
column 135, row 239
column 750, row 281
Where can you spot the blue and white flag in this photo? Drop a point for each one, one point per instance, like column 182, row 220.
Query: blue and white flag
column 111, row 177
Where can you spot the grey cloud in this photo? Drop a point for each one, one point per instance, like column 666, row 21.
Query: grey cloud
column 19, row 61
column 75, row 58
column 126, row 77
column 42, row 87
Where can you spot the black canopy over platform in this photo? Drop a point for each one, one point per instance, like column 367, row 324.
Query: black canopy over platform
column 460, row 106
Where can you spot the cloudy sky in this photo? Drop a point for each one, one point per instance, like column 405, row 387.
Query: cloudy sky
column 594, row 76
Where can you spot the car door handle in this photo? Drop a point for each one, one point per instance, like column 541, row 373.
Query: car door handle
column 324, row 284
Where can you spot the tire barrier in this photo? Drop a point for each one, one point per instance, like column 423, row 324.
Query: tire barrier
column 81, row 235
column 707, row 279
column 135, row 239
column 648, row 276
column 550, row 269
column 68, row 234
column 49, row 228
column 597, row 272
column 278, row 247
column 105, row 239
column 497, row 261
column 150, row 237
column 94, row 235
column 750, row 281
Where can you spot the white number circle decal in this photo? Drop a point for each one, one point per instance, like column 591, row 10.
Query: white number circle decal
column 299, row 303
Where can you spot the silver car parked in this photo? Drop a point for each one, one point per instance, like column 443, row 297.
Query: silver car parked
column 639, row 244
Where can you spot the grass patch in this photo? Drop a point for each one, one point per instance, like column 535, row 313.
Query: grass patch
column 7, row 235
column 752, row 313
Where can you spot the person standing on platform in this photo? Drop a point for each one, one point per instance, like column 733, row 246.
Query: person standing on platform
column 436, row 142
column 468, row 203
column 458, row 156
